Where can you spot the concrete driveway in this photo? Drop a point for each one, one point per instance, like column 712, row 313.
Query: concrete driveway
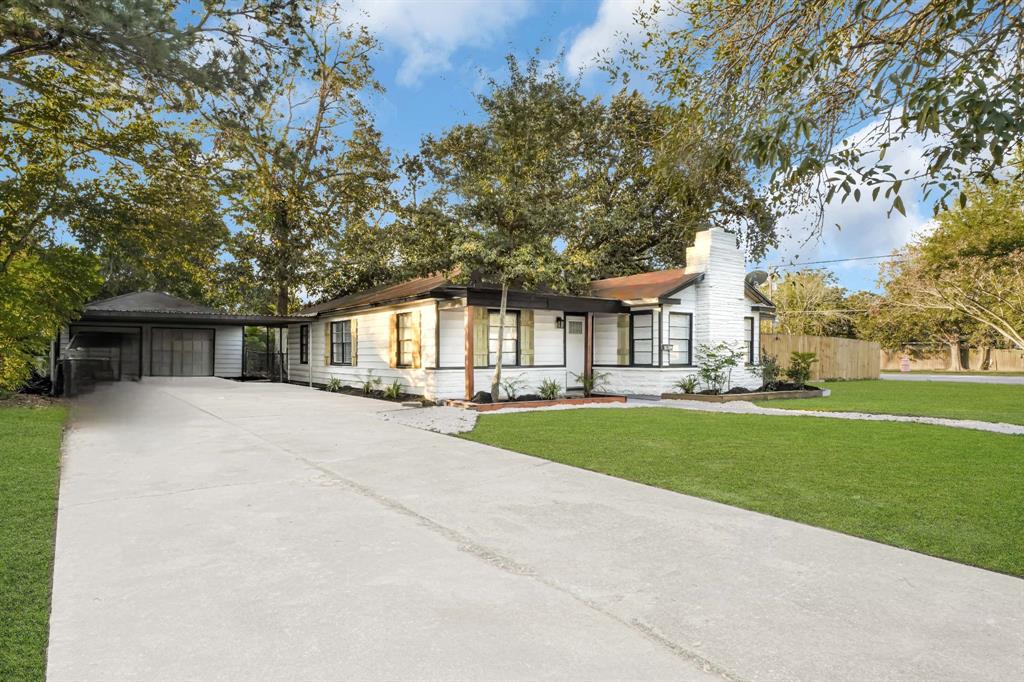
column 224, row 531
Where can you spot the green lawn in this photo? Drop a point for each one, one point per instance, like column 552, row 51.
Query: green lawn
column 29, row 474
column 956, row 400
column 953, row 493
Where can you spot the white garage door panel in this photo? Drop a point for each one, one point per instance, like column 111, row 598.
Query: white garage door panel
column 182, row 352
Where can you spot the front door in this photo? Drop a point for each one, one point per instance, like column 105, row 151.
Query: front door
column 575, row 349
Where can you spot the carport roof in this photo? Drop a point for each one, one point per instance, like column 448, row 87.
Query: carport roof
column 157, row 306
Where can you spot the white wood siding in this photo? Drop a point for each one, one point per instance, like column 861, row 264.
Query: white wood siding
column 373, row 343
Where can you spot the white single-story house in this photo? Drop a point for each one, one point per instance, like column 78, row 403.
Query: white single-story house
column 439, row 339
column 151, row 333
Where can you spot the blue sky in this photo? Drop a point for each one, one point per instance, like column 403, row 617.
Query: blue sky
column 437, row 53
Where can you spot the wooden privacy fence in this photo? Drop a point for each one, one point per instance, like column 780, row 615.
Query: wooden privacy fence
column 939, row 359
column 838, row 358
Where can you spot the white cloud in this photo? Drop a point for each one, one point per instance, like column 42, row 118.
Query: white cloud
column 429, row 33
column 865, row 227
column 614, row 27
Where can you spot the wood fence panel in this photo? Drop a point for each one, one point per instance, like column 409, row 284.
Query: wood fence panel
column 838, row 358
column 938, row 359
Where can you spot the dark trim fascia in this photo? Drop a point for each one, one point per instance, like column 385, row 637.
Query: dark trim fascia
column 490, row 298
column 199, row 319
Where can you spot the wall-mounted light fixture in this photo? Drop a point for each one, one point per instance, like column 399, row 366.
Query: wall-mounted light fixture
column 559, row 323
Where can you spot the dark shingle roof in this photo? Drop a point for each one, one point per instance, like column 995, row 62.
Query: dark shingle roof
column 645, row 285
column 380, row 295
column 150, row 302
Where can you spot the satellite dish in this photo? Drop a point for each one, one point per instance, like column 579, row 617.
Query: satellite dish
column 756, row 277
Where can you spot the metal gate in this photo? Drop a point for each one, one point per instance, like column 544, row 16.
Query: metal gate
column 260, row 364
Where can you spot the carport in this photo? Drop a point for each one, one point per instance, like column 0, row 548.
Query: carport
column 152, row 333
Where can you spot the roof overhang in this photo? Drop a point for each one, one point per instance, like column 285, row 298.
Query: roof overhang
column 100, row 316
column 491, row 298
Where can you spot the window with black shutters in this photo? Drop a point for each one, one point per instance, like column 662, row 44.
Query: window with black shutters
column 304, row 344
column 341, row 342
column 642, row 337
column 680, row 336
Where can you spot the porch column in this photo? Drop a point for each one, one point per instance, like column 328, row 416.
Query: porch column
column 588, row 346
column 468, row 360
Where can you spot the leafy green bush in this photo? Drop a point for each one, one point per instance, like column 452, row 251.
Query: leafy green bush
column 716, row 364
column 592, row 382
column 769, row 371
column 549, row 389
column 799, row 371
column 513, row 385
column 687, row 384
column 333, row 385
column 371, row 384
column 394, row 391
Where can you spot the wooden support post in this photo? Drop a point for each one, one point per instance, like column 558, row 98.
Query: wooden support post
column 468, row 360
column 588, row 346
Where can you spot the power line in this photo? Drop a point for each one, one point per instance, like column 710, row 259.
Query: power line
column 835, row 260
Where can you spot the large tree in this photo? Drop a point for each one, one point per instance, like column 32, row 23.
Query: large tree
column 638, row 210
column 810, row 302
column 508, row 175
column 92, row 96
column 816, row 93
column 302, row 160
column 965, row 280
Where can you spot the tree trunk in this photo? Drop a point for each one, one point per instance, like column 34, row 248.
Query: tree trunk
column 955, row 364
column 282, row 299
column 496, row 379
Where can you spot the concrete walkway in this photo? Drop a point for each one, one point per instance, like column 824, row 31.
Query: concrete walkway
column 215, row 530
column 959, row 378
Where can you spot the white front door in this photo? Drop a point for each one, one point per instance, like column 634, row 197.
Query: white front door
column 575, row 348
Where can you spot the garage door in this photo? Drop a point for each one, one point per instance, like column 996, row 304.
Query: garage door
column 182, row 353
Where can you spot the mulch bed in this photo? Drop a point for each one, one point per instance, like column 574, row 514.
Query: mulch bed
column 528, row 401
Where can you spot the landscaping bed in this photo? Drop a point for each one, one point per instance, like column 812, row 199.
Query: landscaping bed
column 784, row 394
column 533, row 401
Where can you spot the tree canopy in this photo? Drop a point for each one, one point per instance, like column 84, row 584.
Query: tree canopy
column 813, row 94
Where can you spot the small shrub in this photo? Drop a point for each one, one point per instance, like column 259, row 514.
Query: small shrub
column 716, row 364
column 333, row 385
column 372, row 383
column 799, row 371
column 592, row 382
column 394, row 391
column 687, row 384
column 549, row 389
column 769, row 371
column 513, row 385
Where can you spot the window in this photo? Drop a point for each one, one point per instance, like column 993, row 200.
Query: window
column 405, row 339
column 748, row 341
column 341, row 342
column 510, row 341
column 642, row 334
column 679, row 325
column 304, row 344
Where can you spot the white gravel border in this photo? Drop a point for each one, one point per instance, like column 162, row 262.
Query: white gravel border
column 453, row 420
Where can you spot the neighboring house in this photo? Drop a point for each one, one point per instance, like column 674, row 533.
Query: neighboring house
column 150, row 333
column 439, row 339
